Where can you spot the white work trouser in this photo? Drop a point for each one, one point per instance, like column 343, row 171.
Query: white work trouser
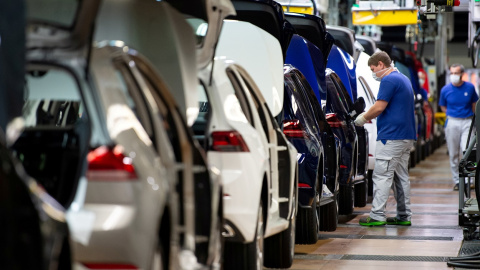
column 456, row 133
column 391, row 159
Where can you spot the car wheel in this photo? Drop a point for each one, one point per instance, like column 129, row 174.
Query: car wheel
column 329, row 216
column 306, row 230
column 345, row 202
column 280, row 248
column 240, row 256
column 361, row 194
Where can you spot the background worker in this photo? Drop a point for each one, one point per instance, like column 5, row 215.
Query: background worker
column 457, row 100
column 396, row 135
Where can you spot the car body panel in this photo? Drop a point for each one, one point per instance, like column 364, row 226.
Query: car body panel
column 297, row 108
column 344, row 129
column 367, row 86
column 225, row 114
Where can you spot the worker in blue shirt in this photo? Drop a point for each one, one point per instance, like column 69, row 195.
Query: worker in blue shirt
column 396, row 135
column 457, row 100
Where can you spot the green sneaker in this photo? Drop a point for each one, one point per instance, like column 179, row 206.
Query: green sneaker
column 396, row 221
column 368, row 221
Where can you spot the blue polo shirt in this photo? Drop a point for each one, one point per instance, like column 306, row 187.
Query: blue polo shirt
column 458, row 99
column 397, row 121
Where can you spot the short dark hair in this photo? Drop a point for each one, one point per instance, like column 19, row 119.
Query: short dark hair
column 379, row 56
column 462, row 68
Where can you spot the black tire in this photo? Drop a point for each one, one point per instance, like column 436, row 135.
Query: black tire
column 246, row 256
column 306, row 231
column 345, row 202
column 361, row 194
column 280, row 248
column 329, row 216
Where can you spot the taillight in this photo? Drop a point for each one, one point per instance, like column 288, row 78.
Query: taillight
column 370, row 155
column 333, row 120
column 228, row 141
column 293, row 129
column 103, row 266
column 303, row 185
column 107, row 164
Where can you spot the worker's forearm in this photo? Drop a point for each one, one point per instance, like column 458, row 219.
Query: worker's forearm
column 444, row 109
column 374, row 111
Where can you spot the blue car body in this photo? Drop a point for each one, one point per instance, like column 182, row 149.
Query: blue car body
column 308, row 59
column 301, row 129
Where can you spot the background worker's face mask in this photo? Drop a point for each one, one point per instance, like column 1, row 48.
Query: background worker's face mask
column 454, row 78
column 379, row 78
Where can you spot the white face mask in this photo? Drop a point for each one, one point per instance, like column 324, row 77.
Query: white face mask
column 455, row 79
column 379, row 78
column 421, row 81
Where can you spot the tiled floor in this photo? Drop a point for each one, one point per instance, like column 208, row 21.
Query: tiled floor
column 433, row 236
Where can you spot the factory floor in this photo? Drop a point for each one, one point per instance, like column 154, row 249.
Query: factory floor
column 433, row 237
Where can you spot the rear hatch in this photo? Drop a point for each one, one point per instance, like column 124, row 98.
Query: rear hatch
column 55, row 141
column 268, row 15
column 260, row 55
column 313, row 29
column 165, row 39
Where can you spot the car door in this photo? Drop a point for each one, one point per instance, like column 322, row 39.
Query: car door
column 280, row 159
column 200, row 196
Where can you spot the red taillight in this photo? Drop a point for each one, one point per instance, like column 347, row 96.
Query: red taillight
column 302, row 185
column 343, row 166
column 107, row 164
column 333, row 120
column 293, row 129
column 370, row 155
column 103, row 266
column 228, row 141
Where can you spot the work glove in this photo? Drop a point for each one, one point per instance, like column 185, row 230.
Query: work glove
column 360, row 120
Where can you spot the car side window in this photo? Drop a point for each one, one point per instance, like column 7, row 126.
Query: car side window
column 242, row 99
column 368, row 91
column 200, row 125
column 342, row 91
column 334, row 102
column 133, row 97
column 307, row 107
column 260, row 109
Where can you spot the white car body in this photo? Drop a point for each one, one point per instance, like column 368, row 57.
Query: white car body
column 367, row 87
column 250, row 175
column 261, row 57
column 133, row 217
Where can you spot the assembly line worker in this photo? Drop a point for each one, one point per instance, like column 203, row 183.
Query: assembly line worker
column 457, row 100
column 396, row 136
